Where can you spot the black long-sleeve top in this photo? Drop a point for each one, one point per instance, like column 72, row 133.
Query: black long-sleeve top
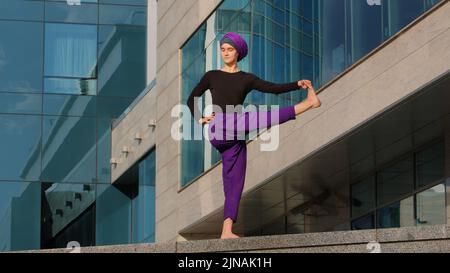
column 232, row 88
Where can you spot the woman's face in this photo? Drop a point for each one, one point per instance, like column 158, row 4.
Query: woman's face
column 229, row 54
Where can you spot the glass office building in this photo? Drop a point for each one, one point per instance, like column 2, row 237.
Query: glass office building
column 399, row 183
column 67, row 68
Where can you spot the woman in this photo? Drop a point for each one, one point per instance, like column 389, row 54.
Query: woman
column 229, row 86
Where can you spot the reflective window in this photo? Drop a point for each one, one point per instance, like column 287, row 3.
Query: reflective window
column 124, row 2
column 366, row 31
column 20, row 216
column 430, row 164
column 70, row 86
column 399, row 13
column 20, row 139
column 20, row 103
column 295, row 222
column 351, row 29
column 123, row 15
column 70, row 52
column 59, row 142
column 333, row 28
column 67, row 214
column 191, row 168
column 395, row 181
column 69, row 105
column 131, row 201
column 103, row 150
column 399, row 214
column 365, row 222
column 363, row 196
column 21, row 10
column 113, row 216
column 69, row 149
column 275, row 226
column 422, row 207
column 62, row 12
column 122, row 67
column 112, row 107
column 193, row 48
column 191, row 148
column 21, row 43
column 73, row 2
column 144, row 203
column 431, row 206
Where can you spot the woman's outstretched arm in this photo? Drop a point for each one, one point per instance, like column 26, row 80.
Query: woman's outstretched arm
column 274, row 88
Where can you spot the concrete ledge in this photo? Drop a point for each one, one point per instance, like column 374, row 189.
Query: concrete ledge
column 132, row 248
column 322, row 242
column 408, row 239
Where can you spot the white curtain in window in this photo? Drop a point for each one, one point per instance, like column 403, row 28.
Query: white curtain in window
column 70, row 50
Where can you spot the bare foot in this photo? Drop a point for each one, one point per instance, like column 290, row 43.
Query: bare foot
column 228, row 236
column 312, row 97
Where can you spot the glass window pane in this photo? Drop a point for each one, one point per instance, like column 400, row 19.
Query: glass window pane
column 365, row 222
column 244, row 21
column 104, row 150
column 122, row 15
column 295, row 221
column 69, row 150
column 70, row 50
column 20, row 103
column 275, row 226
column 74, row 2
column 62, row 12
column 20, row 139
column 395, row 181
column 69, row 105
column 399, row 13
column 363, row 196
column 67, row 214
column 124, row 2
column 122, row 63
column 192, row 148
column 113, row 216
column 144, row 203
column 430, row 164
column 21, row 10
column 191, row 168
column 431, row 206
column 20, row 210
column 399, row 214
column 193, row 48
column 112, row 107
column 307, row 9
column 333, row 30
column 366, row 33
column 70, row 86
column 21, row 56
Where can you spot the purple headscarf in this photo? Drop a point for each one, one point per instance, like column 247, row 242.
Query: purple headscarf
column 236, row 41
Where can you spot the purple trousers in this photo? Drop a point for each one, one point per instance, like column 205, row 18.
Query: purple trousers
column 226, row 133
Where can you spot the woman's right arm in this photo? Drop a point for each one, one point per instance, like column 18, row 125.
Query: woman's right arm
column 198, row 91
